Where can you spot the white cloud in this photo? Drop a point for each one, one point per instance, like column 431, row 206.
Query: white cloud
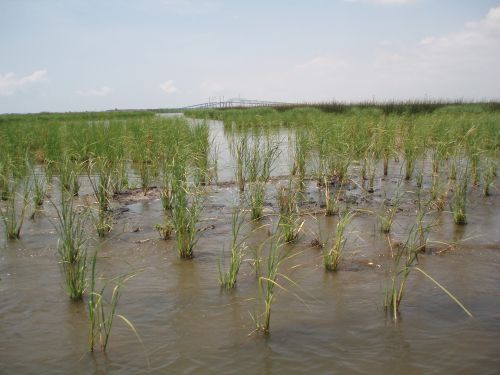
column 383, row 2
column 10, row 83
column 460, row 64
column 168, row 87
column 103, row 91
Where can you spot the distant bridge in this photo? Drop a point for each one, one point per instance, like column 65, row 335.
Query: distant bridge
column 235, row 103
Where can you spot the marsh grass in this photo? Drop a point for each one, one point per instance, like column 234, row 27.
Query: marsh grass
column 102, row 310
column 268, row 283
column 332, row 255
column 69, row 171
column 228, row 277
column 186, row 209
column 99, row 173
column 72, row 247
column 389, row 212
column 255, row 197
column 290, row 222
column 13, row 213
column 489, row 177
column 458, row 201
column 404, row 260
column 38, row 187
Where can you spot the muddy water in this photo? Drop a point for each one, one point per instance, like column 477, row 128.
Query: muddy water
column 329, row 323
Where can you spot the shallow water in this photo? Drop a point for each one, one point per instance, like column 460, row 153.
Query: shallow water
column 328, row 323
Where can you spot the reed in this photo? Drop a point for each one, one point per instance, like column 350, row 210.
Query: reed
column 389, row 211
column 255, row 197
column 290, row 222
column 72, row 248
column 268, row 283
column 186, row 210
column 489, row 177
column 38, row 188
column 459, row 200
column 332, row 255
column 13, row 212
column 102, row 311
column 228, row 277
column 99, row 173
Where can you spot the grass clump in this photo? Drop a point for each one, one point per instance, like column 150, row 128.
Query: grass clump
column 72, row 248
column 102, row 311
column 333, row 255
column 290, row 222
column 227, row 278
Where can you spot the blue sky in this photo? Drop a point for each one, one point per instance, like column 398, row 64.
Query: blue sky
column 96, row 55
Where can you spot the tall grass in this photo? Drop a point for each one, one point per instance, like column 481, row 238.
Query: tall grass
column 186, row 210
column 458, row 201
column 256, row 196
column 389, row 211
column 228, row 277
column 102, row 311
column 290, row 222
column 13, row 212
column 332, row 255
column 72, row 248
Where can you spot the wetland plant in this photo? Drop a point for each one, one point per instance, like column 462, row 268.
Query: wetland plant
column 489, row 177
column 12, row 213
column 186, row 210
column 72, row 248
column 459, row 200
column 228, row 277
column 39, row 188
column 256, row 196
column 290, row 222
column 267, row 285
column 333, row 255
column 389, row 214
column 102, row 311
column 102, row 187
column 166, row 229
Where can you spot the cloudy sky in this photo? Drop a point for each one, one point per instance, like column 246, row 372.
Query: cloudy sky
column 98, row 54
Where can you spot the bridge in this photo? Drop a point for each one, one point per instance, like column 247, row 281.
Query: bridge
column 235, row 103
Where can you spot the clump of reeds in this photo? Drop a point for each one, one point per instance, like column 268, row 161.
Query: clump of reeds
column 100, row 177
column 489, row 177
column 102, row 311
column 410, row 155
column 389, row 211
column 5, row 179
column 240, row 153
column 405, row 259
column 302, row 149
column 69, row 171
column 290, row 222
column 256, row 196
column 13, row 212
column 459, row 200
column 186, row 210
column 39, row 188
column 72, row 248
column 333, row 255
column 228, row 277
column 268, row 283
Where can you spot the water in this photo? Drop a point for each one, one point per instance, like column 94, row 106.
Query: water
column 330, row 323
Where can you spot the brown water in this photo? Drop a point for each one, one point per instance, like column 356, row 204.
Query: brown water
column 188, row 325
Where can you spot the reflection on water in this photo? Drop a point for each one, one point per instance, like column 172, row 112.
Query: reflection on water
column 188, row 325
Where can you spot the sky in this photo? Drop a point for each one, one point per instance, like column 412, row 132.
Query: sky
column 98, row 55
